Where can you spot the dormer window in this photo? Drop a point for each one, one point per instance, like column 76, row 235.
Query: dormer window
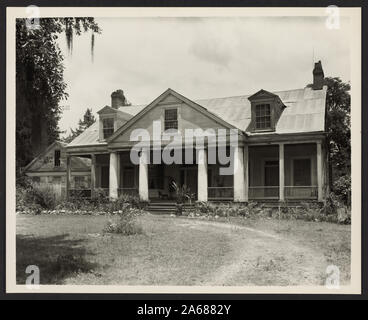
column 266, row 110
column 171, row 119
column 263, row 116
column 108, row 127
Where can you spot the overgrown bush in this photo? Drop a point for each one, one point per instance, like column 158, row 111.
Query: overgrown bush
column 333, row 210
column 230, row 209
column 24, row 203
column 33, row 198
column 342, row 189
column 126, row 223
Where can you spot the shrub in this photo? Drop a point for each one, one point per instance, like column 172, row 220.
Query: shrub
column 126, row 224
column 134, row 201
column 33, row 198
column 223, row 209
column 101, row 204
column 24, row 203
column 342, row 189
column 332, row 211
column 333, row 203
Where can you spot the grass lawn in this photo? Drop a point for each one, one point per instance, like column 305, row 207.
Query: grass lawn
column 181, row 251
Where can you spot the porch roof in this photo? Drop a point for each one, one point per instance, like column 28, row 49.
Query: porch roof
column 304, row 113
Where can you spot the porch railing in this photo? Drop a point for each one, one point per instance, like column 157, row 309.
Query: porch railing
column 264, row 192
column 291, row 192
column 220, row 193
column 301, row 192
column 128, row 191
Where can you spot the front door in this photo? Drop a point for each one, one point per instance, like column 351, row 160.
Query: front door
column 271, row 179
column 189, row 178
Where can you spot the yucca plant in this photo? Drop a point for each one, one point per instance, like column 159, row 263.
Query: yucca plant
column 182, row 193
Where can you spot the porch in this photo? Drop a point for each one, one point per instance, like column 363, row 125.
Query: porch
column 293, row 171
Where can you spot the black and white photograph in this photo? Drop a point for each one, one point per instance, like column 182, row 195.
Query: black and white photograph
column 183, row 150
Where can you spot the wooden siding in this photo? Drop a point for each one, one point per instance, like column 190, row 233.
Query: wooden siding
column 189, row 118
column 45, row 162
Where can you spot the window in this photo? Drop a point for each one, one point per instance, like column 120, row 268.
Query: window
column 302, row 172
column 108, row 127
column 57, row 158
column 171, row 119
column 263, row 116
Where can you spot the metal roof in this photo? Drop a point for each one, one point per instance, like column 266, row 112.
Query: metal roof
column 304, row 113
column 89, row 137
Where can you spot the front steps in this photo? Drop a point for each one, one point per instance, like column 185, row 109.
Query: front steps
column 165, row 207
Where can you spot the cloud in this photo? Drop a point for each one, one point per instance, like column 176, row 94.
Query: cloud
column 211, row 50
column 199, row 58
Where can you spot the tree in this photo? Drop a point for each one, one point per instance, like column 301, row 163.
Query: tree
column 338, row 136
column 40, row 84
column 88, row 120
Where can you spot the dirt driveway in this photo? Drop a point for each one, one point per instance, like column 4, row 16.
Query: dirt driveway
column 261, row 258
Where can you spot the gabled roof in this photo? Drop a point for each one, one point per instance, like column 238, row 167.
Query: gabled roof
column 107, row 110
column 155, row 102
column 262, row 94
column 304, row 112
column 43, row 153
column 77, row 162
column 120, row 113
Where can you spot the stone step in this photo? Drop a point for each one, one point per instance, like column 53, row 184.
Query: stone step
column 165, row 207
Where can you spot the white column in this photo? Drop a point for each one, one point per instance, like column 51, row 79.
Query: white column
column 143, row 175
column 319, row 171
column 239, row 175
column 93, row 175
column 246, row 172
column 202, row 175
column 282, row 172
column 68, row 175
column 114, row 183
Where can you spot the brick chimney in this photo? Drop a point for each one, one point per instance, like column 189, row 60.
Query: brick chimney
column 318, row 76
column 118, row 99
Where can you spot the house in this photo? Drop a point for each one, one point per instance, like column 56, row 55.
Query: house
column 49, row 169
column 280, row 150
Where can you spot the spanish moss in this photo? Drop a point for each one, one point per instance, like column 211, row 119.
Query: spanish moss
column 92, row 45
column 69, row 37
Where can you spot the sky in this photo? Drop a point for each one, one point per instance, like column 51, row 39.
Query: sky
column 198, row 58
